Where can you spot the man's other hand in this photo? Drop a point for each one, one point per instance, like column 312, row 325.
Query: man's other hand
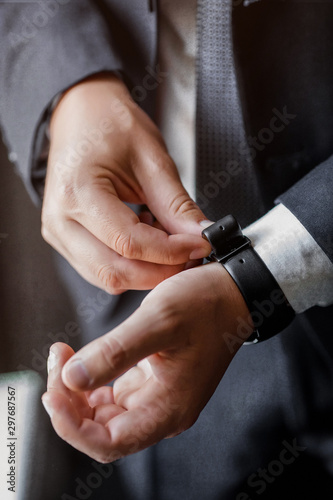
column 104, row 151
column 169, row 357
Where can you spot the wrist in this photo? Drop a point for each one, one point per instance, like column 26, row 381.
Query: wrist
column 269, row 309
column 93, row 92
column 236, row 316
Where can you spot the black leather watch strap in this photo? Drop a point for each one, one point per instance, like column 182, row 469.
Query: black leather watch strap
column 269, row 308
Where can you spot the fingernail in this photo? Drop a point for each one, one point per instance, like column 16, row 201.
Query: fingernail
column 47, row 407
column 198, row 253
column 77, row 374
column 51, row 361
column 206, row 223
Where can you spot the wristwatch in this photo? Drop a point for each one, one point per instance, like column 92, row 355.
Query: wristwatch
column 269, row 308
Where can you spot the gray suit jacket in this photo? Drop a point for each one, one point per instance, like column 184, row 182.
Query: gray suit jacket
column 283, row 54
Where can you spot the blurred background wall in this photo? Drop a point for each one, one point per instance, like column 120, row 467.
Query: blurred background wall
column 33, row 301
column 34, row 308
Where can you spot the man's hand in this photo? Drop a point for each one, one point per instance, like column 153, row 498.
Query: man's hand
column 169, row 356
column 105, row 151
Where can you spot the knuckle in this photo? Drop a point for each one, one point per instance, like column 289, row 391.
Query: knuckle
column 105, row 458
column 125, row 245
column 62, row 433
column 114, row 454
column 68, row 197
column 161, row 159
column 112, row 279
column 158, row 160
column 113, row 353
column 169, row 318
column 106, row 455
column 66, row 194
column 181, row 204
column 102, row 458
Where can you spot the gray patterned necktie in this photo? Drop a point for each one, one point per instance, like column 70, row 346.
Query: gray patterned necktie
column 225, row 179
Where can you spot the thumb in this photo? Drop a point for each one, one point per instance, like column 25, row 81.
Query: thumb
column 168, row 200
column 111, row 355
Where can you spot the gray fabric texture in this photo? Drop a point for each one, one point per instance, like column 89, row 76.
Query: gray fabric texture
column 225, row 178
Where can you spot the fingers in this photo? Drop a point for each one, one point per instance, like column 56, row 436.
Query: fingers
column 131, row 165
column 122, row 434
column 167, row 199
column 127, row 388
column 103, row 267
column 103, row 403
column 115, row 225
column 100, row 396
column 141, row 427
column 135, row 240
column 146, row 217
column 72, row 417
column 145, row 332
column 108, row 431
column 59, row 354
column 85, row 434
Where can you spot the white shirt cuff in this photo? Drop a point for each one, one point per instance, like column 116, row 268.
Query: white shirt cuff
column 299, row 265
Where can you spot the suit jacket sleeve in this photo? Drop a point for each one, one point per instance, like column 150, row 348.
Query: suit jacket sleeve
column 311, row 201
column 42, row 54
